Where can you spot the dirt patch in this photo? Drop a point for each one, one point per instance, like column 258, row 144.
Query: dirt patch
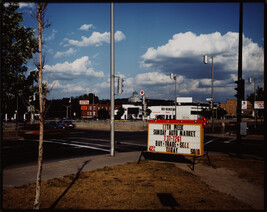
column 247, row 167
column 148, row 185
column 242, row 178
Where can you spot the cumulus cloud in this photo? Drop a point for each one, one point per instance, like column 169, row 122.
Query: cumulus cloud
column 27, row 5
column 51, row 36
column 68, row 71
column 86, row 27
column 97, row 39
column 183, row 55
column 69, row 52
column 159, row 85
column 70, row 87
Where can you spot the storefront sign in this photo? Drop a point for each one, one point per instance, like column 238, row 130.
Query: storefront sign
column 83, row 107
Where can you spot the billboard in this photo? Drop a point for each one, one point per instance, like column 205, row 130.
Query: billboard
column 184, row 99
column 84, row 102
column 176, row 137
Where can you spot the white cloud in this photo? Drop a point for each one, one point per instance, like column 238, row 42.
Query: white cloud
column 119, row 36
column 97, row 39
column 51, row 36
column 68, row 71
column 183, row 54
column 69, row 52
column 28, row 5
column 86, row 27
column 60, row 89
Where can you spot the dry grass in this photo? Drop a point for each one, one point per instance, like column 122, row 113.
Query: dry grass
column 148, row 185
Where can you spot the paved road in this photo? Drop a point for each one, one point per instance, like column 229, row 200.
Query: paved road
column 81, row 143
column 78, row 143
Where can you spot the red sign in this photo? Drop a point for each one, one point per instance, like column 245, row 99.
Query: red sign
column 142, row 92
column 83, row 107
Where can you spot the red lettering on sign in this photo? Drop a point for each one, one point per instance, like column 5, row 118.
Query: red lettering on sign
column 176, row 138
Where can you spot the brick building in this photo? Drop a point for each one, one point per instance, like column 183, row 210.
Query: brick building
column 91, row 110
column 231, row 106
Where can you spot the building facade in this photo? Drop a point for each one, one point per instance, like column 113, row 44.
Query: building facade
column 90, row 111
column 231, row 105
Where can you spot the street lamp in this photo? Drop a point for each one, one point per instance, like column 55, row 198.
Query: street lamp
column 205, row 60
column 173, row 76
column 255, row 117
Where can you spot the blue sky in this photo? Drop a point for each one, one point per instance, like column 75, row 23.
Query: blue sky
column 152, row 40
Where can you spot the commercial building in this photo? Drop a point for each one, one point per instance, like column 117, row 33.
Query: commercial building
column 184, row 112
column 89, row 111
column 231, row 105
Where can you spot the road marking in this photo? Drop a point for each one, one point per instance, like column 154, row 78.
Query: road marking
column 132, row 144
column 77, row 145
column 229, row 141
column 210, row 141
column 87, row 139
column 92, row 139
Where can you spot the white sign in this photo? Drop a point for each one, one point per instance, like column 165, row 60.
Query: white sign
column 244, row 105
column 84, row 102
column 176, row 138
column 184, row 99
column 259, row 104
column 142, row 92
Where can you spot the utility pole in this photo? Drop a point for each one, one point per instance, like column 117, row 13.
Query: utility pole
column 239, row 79
column 173, row 76
column 205, row 60
column 112, row 76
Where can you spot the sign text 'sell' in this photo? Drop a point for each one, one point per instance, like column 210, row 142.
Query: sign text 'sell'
column 176, row 136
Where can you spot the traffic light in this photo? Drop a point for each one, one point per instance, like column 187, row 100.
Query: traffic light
column 240, row 89
column 120, row 85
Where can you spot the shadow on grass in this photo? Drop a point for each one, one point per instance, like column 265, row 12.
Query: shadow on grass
column 71, row 184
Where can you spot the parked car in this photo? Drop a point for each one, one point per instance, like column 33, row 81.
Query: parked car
column 50, row 130
column 67, row 124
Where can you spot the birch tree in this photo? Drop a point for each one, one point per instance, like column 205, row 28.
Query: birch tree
column 40, row 16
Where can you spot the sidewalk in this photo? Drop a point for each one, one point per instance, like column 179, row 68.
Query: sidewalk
column 26, row 175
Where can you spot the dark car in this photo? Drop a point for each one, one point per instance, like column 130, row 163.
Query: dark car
column 67, row 124
column 50, row 130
